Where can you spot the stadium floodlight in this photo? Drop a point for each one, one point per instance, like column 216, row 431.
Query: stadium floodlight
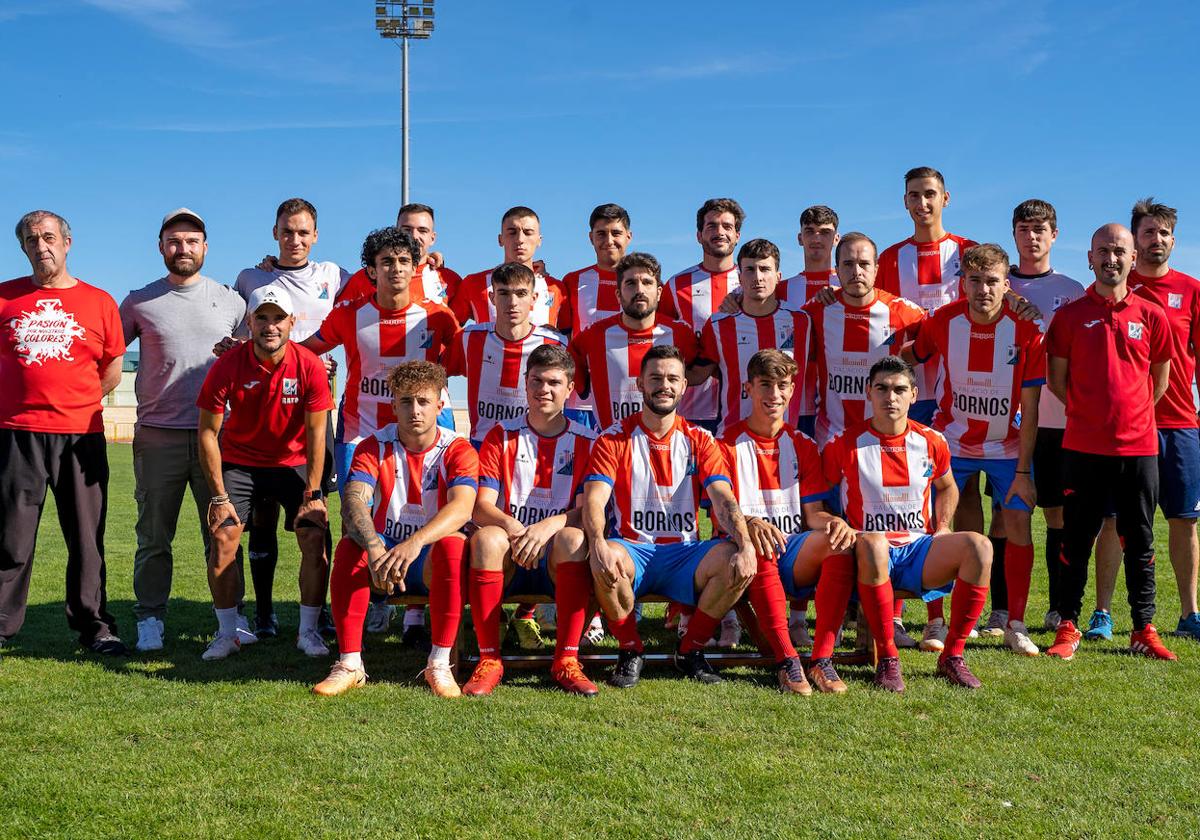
column 401, row 20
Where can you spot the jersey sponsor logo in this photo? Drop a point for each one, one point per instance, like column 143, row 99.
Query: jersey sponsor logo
column 1175, row 301
column 374, row 387
column 986, row 406
column 533, row 514
column 621, row 410
column 844, row 383
column 498, row 411
column 663, row 522
column 1135, row 330
column 412, row 518
column 902, row 521
column 789, row 523
column 46, row 333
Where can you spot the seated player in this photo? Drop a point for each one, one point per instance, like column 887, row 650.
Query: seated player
column 530, row 470
column 420, row 481
column 994, row 366
column 781, row 487
column 653, row 467
column 885, row 469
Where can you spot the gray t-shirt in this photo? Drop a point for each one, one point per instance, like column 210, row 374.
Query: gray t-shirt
column 313, row 288
column 177, row 326
column 1048, row 292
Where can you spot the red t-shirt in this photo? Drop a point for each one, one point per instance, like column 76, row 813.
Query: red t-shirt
column 54, row 344
column 1179, row 297
column 265, row 423
column 1109, row 348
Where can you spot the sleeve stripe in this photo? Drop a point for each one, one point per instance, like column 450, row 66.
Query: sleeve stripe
column 365, row 478
column 815, row 497
column 489, row 482
column 717, row 477
column 464, row 481
column 598, row 477
column 1029, row 383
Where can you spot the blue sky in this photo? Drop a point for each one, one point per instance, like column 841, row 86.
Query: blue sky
column 119, row 110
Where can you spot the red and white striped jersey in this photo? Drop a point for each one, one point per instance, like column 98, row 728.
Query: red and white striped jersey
column 536, row 477
column 730, row 338
column 885, row 482
column 495, row 372
column 591, row 295
column 984, row 368
column 811, row 282
column 376, row 340
column 773, row 478
column 608, row 357
column 410, row 487
column 436, row 285
column 657, row 482
column 472, row 303
column 692, row 296
column 846, row 341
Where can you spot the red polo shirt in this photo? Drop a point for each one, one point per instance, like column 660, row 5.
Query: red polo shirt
column 264, row 426
column 1179, row 297
column 1109, row 348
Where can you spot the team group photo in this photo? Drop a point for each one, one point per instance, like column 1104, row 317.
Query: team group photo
column 565, row 474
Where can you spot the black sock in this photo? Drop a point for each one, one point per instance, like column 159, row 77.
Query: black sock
column 1054, row 538
column 264, row 556
column 999, row 586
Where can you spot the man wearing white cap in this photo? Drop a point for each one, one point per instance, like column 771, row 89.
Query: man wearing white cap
column 272, row 449
column 176, row 318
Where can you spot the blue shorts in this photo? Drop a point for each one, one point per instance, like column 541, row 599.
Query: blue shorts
column 1179, row 473
column 787, row 564
column 668, row 569
column 906, row 564
column 922, row 411
column 414, row 578
column 1000, row 473
column 808, row 425
column 583, row 416
column 535, row 581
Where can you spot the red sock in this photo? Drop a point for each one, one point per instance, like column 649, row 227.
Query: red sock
column 445, row 590
column 685, row 609
column 877, row 599
column 626, row 633
column 1018, row 569
column 838, row 573
column 486, row 588
column 965, row 608
column 526, row 610
column 349, row 594
column 770, row 605
column 572, row 590
column 935, row 609
column 898, row 609
column 700, row 629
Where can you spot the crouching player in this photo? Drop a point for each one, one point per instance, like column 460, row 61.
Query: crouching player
column 781, row 487
column 653, row 466
column 885, row 469
column 420, row 480
column 530, row 470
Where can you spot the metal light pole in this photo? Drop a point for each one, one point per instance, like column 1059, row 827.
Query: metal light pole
column 396, row 19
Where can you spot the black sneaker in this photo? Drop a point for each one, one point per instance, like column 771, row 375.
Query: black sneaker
column 695, row 667
column 325, row 624
column 108, row 645
column 417, row 637
column 266, row 627
column 628, row 669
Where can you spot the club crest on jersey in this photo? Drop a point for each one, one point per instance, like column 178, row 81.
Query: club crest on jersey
column 430, row 482
column 1012, row 354
column 566, row 463
column 787, row 338
column 324, row 295
column 691, row 466
column 291, row 387
column 426, row 340
column 1059, row 302
column 1175, row 301
column 926, row 468
column 1135, row 330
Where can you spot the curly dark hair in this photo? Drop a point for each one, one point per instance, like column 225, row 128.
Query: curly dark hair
column 389, row 239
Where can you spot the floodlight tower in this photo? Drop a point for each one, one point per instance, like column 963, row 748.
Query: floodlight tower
column 401, row 19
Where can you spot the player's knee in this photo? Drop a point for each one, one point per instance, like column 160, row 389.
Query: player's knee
column 488, row 546
column 870, row 546
column 979, row 550
column 568, row 545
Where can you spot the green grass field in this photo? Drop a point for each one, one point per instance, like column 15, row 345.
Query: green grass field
column 1105, row 746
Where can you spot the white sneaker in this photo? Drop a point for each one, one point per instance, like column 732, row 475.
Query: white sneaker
column 901, row 637
column 934, row 638
column 594, row 634
column 547, row 617
column 731, row 631
column 1017, row 639
column 798, row 631
column 150, row 633
column 310, row 643
column 244, row 634
column 1051, row 621
column 996, row 622
column 379, row 617
column 221, row 647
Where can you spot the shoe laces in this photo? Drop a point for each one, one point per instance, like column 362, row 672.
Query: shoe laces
column 571, row 669
column 825, row 665
column 487, row 667
column 890, row 666
column 793, row 669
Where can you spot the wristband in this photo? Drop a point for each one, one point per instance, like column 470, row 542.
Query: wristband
column 1023, row 472
column 218, row 500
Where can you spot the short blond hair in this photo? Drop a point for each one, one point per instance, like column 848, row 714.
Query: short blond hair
column 987, row 255
column 410, row 377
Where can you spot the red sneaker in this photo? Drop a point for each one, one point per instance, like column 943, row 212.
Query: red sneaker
column 1066, row 641
column 1147, row 643
column 568, row 673
column 484, row 678
column 887, row 675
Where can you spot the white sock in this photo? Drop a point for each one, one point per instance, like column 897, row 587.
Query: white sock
column 439, row 655
column 308, row 618
column 353, row 661
column 414, row 617
column 227, row 622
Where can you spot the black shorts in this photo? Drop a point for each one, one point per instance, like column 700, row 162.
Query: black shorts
column 1048, row 467
column 247, row 486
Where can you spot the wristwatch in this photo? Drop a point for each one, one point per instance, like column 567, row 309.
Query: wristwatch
column 314, row 495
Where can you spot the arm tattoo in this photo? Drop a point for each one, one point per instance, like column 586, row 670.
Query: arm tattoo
column 731, row 516
column 356, row 515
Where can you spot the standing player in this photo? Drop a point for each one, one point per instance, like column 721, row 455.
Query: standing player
column 60, row 353
column 780, row 485
column 1110, row 379
column 694, row 294
column 886, row 469
column 530, row 470
column 1035, row 227
column 177, row 318
column 431, row 282
column 653, row 467
column 994, row 366
column 270, row 447
column 520, row 237
column 727, row 341
column 411, row 490
column 592, row 291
